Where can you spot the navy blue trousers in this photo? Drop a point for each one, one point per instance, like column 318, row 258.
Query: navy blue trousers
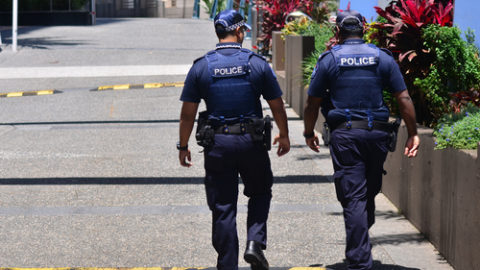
column 230, row 156
column 358, row 156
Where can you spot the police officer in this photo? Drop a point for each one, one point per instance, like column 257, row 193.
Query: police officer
column 347, row 83
column 231, row 80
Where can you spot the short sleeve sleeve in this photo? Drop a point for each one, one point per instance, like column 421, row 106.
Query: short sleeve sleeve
column 394, row 82
column 320, row 77
column 271, row 89
column 191, row 91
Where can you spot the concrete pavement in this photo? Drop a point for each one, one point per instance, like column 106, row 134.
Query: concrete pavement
column 106, row 190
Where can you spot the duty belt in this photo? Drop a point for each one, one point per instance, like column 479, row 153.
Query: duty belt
column 234, row 129
column 363, row 124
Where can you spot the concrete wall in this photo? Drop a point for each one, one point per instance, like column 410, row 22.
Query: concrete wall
column 278, row 62
column 438, row 192
column 296, row 49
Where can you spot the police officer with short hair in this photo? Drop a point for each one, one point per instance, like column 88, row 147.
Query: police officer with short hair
column 231, row 80
column 347, row 83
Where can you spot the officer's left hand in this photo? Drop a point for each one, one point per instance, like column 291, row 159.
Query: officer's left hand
column 184, row 156
column 283, row 145
column 313, row 143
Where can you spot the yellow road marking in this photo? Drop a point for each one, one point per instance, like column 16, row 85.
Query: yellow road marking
column 105, row 87
column 121, row 87
column 145, row 86
column 15, row 94
column 29, row 93
column 153, row 85
column 45, row 92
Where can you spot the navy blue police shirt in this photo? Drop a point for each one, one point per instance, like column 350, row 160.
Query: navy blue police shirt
column 327, row 72
column 261, row 77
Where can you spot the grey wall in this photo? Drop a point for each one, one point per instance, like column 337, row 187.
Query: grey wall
column 438, row 191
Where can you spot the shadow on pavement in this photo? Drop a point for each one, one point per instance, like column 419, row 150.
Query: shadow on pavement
column 394, row 239
column 293, row 179
column 43, row 43
column 377, row 265
column 389, row 215
column 313, row 156
column 6, row 32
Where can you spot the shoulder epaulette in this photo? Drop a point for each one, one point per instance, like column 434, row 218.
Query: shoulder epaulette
column 323, row 55
column 387, row 51
column 253, row 54
column 336, row 47
column 198, row 59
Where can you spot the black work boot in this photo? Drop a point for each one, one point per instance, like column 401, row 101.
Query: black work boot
column 254, row 256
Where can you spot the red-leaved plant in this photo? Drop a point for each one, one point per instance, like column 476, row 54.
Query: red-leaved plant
column 402, row 34
column 274, row 15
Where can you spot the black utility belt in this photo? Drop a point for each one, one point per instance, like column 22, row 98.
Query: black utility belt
column 363, row 124
column 235, row 129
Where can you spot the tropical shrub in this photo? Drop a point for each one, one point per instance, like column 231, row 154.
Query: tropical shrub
column 455, row 67
column 274, row 15
column 322, row 9
column 459, row 130
column 222, row 4
column 402, row 33
column 323, row 33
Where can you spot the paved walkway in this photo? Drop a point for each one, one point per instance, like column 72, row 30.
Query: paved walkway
column 305, row 226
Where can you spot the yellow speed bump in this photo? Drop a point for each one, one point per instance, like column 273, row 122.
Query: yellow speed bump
column 29, row 93
column 139, row 86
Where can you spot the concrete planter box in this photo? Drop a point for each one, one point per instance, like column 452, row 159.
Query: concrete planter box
column 438, row 191
column 296, row 49
column 288, row 56
column 278, row 61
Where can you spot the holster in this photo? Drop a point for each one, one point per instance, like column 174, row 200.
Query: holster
column 262, row 131
column 392, row 140
column 326, row 134
column 205, row 134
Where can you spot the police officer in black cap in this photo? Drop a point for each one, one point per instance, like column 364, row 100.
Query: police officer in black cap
column 231, row 80
column 347, row 83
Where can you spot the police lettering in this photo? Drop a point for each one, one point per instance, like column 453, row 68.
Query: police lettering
column 228, row 71
column 357, row 61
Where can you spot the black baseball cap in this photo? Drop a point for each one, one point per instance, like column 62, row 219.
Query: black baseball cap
column 343, row 20
column 230, row 19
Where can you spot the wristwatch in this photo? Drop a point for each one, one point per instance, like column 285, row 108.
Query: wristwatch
column 182, row 148
column 309, row 135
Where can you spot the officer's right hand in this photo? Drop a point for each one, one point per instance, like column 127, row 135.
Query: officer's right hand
column 313, row 143
column 184, row 155
column 283, row 145
column 411, row 146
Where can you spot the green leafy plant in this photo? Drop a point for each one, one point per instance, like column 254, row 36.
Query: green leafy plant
column 322, row 9
column 322, row 33
column 222, row 4
column 274, row 15
column 455, row 68
column 402, row 34
column 459, row 130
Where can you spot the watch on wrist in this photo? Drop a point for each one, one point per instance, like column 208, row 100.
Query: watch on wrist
column 182, row 148
column 309, row 135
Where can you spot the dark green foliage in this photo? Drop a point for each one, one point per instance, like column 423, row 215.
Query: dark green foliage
column 402, row 34
column 322, row 33
column 222, row 4
column 456, row 67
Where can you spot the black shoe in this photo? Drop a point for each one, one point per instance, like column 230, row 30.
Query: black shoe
column 254, row 256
